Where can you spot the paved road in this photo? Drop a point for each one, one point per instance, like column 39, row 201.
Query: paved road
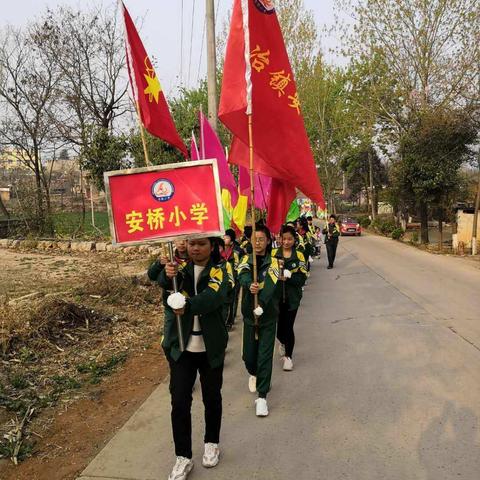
column 386, row 383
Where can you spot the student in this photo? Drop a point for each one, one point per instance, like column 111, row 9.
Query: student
column 318, row 241
column 258, row 352
column 311, row 226
column 294, row 277
column 203, row 285
column 245, row 242
column 181, row 257
column 332, row 233
column 231, row 253
column 306, row 245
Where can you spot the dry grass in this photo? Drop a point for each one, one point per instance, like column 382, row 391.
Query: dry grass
column 52, row 348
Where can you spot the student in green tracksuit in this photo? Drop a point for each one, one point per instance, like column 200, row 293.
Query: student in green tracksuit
column 294, row 277
column 245, row 241
column 306, row 245
column 332, row 234
column 181, row 257
column 202, row 284
column 231, row 256
column 258, row 352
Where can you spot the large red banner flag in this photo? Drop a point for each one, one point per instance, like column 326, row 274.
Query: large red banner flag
column 258, row 80
column 147, row 91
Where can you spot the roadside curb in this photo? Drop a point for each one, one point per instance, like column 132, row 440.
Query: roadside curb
column 76, row 246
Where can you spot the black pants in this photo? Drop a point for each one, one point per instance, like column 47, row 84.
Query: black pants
column 331, row 251
column 285, row 332
column 233, row 307
column 182, row 379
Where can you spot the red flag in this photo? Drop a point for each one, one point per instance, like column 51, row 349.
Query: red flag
column 153, row 107
column 281, row 197
column 264, row 86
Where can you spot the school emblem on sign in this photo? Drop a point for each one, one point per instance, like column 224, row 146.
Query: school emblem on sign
column 265, row 6
column 163, row 190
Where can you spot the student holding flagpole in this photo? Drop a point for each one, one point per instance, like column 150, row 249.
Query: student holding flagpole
column 203, row 285
column 260, row 302
column 293, row 273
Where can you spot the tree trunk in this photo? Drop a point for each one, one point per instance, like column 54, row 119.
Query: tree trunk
column 372, row 188
column 39, row 207
column 84, row 210
column 3, row 209
column 440, row 230
column 475, row 214
column 424, row 223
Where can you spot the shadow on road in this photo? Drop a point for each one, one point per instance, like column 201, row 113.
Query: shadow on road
column 453, row 437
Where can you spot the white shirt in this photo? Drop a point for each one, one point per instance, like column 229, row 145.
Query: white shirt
column 195, row 342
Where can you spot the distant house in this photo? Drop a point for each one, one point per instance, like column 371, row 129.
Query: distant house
column 11, row 159
column 464, row 221
column 5, row 194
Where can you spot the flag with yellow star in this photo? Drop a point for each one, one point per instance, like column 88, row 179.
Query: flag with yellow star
column 147, row 90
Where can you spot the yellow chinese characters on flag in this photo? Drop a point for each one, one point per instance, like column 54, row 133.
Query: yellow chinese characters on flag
column 164, row 202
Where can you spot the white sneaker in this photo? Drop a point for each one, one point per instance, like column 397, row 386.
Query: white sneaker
column 261, row 407
column 281, row 350
column 183, row 466
column 287, row 364
column 252, row 384
column 211, row 455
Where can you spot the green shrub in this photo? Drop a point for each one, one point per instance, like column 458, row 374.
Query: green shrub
column 415, row 237
column 364, row 221
column 387, row 227
column 376, row 224
column 397, row 233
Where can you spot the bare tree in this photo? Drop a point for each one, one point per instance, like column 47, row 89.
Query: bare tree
column 27, row 96
column 431, row 47
column 88, row 48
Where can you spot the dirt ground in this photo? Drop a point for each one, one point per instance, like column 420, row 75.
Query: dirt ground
column 73, row 434
column 69, row 364
column 24, row 272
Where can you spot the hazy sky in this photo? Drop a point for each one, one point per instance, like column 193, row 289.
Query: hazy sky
column 160, row 28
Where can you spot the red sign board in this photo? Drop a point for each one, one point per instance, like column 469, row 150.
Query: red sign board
column 164, row 202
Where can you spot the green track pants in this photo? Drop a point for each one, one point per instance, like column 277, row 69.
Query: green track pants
column 258, row 354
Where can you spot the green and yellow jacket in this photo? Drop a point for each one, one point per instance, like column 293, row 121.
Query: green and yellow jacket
column 246, row 246
column 212, row 287
column 306, row 244
column 231, row 262
column 293, row 285
column 156, row 267
column 334, row 230
column 269, row 295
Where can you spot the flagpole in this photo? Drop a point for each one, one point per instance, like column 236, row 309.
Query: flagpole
column 202, row 137
column 142, row 134
column 252, row 214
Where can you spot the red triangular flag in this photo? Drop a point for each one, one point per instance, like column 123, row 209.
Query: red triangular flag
column 147, row 91
column 264, row 86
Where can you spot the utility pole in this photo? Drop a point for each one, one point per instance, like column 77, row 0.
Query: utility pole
column 475, row 214
column 211, row 64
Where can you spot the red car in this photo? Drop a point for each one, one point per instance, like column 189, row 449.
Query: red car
column 350, row 226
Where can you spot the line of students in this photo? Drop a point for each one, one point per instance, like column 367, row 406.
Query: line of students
column 210, row 273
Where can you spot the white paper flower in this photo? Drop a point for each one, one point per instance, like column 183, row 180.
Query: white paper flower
column 258, row 311
column 287, row 273
column 176, row 301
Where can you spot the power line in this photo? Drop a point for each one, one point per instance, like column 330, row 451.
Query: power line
column 203, row 40
column 201, row 49
column 181, row 44
column 216, row 13
column 191, row 44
